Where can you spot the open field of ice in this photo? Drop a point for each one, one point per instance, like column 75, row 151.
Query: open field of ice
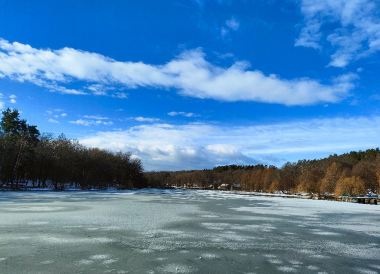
column 152, row 231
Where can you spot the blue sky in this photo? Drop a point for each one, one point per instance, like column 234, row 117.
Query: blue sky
column 196, row 83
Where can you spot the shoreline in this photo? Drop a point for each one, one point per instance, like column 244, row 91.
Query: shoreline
column 372, row 200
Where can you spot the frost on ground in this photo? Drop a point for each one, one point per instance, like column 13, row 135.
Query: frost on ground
column 175, row 231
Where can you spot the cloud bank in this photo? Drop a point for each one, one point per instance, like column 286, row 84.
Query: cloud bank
column 197, row 146
column 190, row 74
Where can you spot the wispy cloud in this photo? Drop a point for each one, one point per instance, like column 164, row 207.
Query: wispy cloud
column 189, row 73
column 351, row 27
column 55, row 115
column 190, row 146
column 2, row 105
column 53, row 121
column 86, row 123
column 231, row 24
column 95, row 117
column 145, row 119
column 92, row 120
column 103, row 90
column 182, row 113
column 12, row 99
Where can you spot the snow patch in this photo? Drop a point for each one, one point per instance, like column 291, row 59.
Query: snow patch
column 47, row 262
column 286, row 269
column 209, row 256
column 176, row 268
column 110, row 261
column 85, row 262
column 100, row 257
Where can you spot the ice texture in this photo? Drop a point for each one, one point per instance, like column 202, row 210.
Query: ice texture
column 184, row 231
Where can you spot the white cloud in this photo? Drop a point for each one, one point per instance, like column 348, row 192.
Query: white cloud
column 352, row 26
column 92, row 120
column 103, row 90
column 82, row 122
column 231, row 24
column 145, row 119
column 53, row 121
column 55, row 115
column 189, row 73
column 96, row 117
column 182, row 113
column 2, row 105
column 190, row 146
column 120, row 95
column 13, row 99
column 98, row 89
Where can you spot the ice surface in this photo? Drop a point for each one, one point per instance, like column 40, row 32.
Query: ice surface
column 179, row 231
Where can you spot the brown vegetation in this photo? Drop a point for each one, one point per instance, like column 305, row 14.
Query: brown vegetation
column 350, row 186
column 350, row 173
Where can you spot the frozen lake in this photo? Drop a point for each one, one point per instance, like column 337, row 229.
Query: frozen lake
column 151, row 231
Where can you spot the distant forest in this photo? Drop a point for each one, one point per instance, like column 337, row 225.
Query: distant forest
column 29, row 159
column 351, row 173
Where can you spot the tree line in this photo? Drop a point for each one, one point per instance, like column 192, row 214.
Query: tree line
column 352, row 173
column 29, row 159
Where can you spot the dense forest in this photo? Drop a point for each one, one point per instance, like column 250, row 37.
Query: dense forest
column 29, row 159
column 351, row 173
